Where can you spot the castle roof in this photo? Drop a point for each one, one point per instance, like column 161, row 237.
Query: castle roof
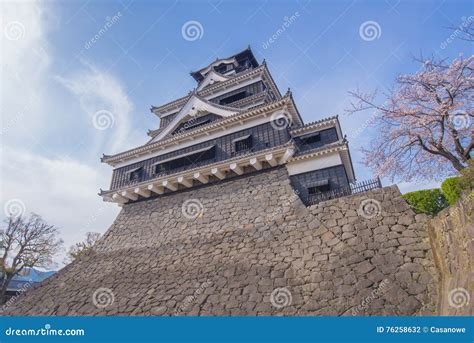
column 341, row 146
column 261, row 71
column 153, row 146
column 245, row 55
column 233, row 123
column 196, row 103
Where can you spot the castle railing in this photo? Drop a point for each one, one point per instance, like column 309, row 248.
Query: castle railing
column 353, row 188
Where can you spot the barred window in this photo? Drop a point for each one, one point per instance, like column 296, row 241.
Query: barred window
column 204, row 155
column 319, row 186
column 135, row 174
column 243, row 144
column 233, row 98
column 311, row 139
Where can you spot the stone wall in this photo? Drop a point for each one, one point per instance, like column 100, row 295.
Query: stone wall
column 452, row 238
column 254, row 249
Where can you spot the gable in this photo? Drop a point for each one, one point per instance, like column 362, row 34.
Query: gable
column 191, row 109
column 217, row 63
column 194, row 122
column 211, row 78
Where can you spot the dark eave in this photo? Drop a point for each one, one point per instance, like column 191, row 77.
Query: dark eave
column 289, row 94
column 245, row 53
column 308, row 153
column 178, row 103
column 238, row 117
column 309, row 127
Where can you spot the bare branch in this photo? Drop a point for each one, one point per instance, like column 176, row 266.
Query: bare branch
column 26, row 243
column 424, row 126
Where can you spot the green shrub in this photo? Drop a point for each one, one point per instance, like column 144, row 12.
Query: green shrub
column 429, row 201
column 466, row 180
column 451, row 190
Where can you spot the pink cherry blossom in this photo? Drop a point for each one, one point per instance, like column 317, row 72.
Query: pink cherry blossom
column 425, row 127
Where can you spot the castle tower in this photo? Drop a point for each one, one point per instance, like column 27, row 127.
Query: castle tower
column 235, row 122
column 210, row 223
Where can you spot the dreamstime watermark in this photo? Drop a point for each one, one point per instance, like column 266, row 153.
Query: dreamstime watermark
column 12, row 300
column 295, row 195
column 192, row 208
column 192, row 298
column 381, row 289
column 192, row 30
column 44, row 331
column 460, row 121
column 109, row 22
column 287, row 21
column 465, row 23
column 281, row 297
column 370, row 30
column 458, row 297
column 195, row 115
column 14, row 208
column 103, row 120
column 103, row 297
column 369, row 208
column 280, row 120
column 14, row 30
column 368, row 123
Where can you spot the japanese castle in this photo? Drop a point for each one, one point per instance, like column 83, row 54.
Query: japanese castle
column 234, row 123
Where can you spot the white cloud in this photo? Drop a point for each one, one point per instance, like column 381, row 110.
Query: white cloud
column 25, row 60
column 99, row 93
column 63, row 191
column 58, row 181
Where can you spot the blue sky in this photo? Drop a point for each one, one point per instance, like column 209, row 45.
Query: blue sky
column 53, row 84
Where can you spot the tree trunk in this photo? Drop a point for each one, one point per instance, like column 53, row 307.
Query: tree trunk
column 3, row 288
column 456, row 164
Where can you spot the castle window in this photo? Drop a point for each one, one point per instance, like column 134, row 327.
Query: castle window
column 317, row 187
column 243, row 144
column 192, row 124
column 135, row 174
column 186, row 160
column 311, row 139
column 233, row 98
column 223, row 68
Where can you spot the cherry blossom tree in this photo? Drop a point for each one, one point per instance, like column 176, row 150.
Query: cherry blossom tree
column 424, row 129
column 465, row 31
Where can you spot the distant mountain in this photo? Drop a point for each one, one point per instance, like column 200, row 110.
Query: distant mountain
column 27, row 278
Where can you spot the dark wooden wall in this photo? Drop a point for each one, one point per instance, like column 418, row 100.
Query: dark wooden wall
column 336, row 175
column 264, row 136
column 327, row 136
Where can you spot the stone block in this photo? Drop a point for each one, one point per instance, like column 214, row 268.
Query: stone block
column 326, row 237
column 250, row 240
column 363, row 267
